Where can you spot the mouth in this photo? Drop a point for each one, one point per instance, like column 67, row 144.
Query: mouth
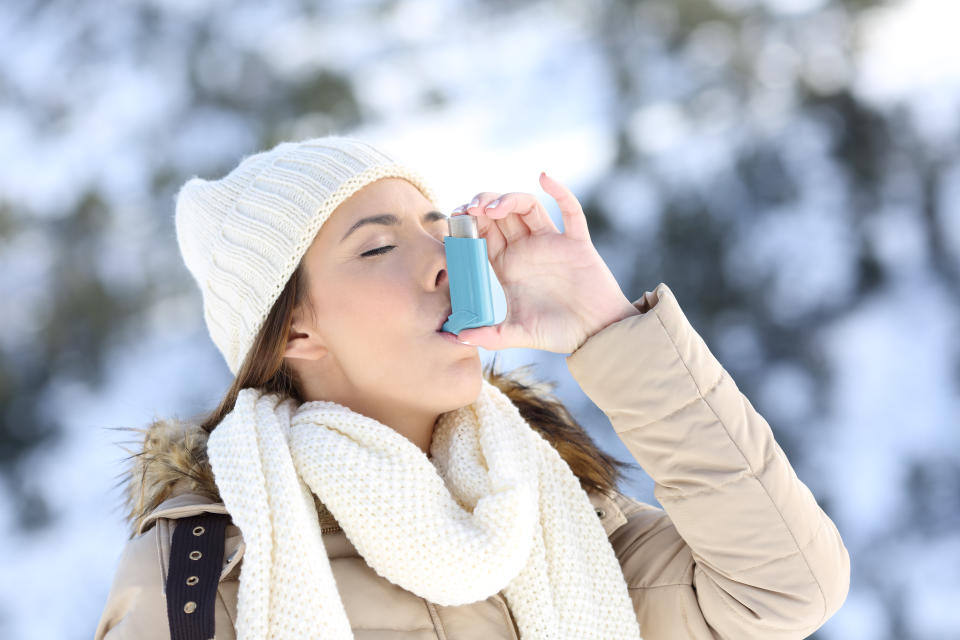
column 443, row 318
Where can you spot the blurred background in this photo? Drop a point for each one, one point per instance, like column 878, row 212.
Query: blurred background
column 790, row 168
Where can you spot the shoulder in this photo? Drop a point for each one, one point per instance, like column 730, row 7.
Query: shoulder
column 658, row 567
column 165, row 518
column 183, row 505
column 617, row 510
column 144, row 552
column 136, row 605
column 651, row 551
column 145, row 558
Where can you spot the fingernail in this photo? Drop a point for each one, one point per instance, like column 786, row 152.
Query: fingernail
column 460, row 209
column 493, row 204
column 474, row 202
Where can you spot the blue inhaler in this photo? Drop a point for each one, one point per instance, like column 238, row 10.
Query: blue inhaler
column 471, row 299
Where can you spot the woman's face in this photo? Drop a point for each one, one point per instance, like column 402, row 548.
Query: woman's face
column 373, row 345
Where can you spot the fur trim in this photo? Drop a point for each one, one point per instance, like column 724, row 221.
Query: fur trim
column 172, row 460
column 173, row 455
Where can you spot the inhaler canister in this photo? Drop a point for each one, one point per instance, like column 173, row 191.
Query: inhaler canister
column 471, row 298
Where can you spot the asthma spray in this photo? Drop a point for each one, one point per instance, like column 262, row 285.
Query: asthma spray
column 471, row 298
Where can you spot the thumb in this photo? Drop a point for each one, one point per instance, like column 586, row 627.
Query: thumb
column 493, row 337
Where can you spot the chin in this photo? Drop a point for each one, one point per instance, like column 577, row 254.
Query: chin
column 462, row 387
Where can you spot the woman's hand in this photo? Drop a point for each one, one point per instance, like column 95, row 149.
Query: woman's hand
column 558, row 289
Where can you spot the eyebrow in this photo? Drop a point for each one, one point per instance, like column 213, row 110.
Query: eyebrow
column 390, row 220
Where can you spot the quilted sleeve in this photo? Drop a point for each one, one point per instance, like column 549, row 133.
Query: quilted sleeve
column 741, row 549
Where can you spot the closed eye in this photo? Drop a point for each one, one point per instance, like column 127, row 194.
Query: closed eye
column 376, row 252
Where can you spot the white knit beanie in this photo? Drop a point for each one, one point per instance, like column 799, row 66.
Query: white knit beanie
column 242, row 236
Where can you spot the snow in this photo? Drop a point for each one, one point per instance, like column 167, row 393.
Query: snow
column 528, row 91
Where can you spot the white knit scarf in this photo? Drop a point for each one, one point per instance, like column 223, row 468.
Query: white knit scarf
column 496, row 508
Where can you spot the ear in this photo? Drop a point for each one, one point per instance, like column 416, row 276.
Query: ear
column 303, row 341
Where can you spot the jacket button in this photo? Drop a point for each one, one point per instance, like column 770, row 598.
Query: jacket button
column 190, row 607
column 195, row 555
column 192, row 580
column 600, row 513
column 198, row 531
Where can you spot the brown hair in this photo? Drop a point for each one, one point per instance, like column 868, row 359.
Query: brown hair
column 264, row 366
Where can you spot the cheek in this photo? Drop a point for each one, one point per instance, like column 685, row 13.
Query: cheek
column 377, row 313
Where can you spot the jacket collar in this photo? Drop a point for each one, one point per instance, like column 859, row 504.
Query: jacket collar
column 338, row 545
column 186, row 504
column 172, row 460
column 183, row 505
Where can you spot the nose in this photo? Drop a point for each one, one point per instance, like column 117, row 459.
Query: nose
column 437, row 273
column 442, row 278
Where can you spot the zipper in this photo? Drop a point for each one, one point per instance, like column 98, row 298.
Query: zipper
column 322, row 511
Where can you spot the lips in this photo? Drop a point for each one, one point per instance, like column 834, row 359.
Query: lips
column 443, row 318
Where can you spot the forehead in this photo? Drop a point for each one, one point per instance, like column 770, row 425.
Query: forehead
column 386, row 195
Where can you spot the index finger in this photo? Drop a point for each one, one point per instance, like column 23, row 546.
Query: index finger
column 529, row 210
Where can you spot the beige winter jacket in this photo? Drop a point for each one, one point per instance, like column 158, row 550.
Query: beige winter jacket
column 741, row 551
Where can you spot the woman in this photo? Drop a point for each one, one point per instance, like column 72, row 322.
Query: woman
column 380, row 483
